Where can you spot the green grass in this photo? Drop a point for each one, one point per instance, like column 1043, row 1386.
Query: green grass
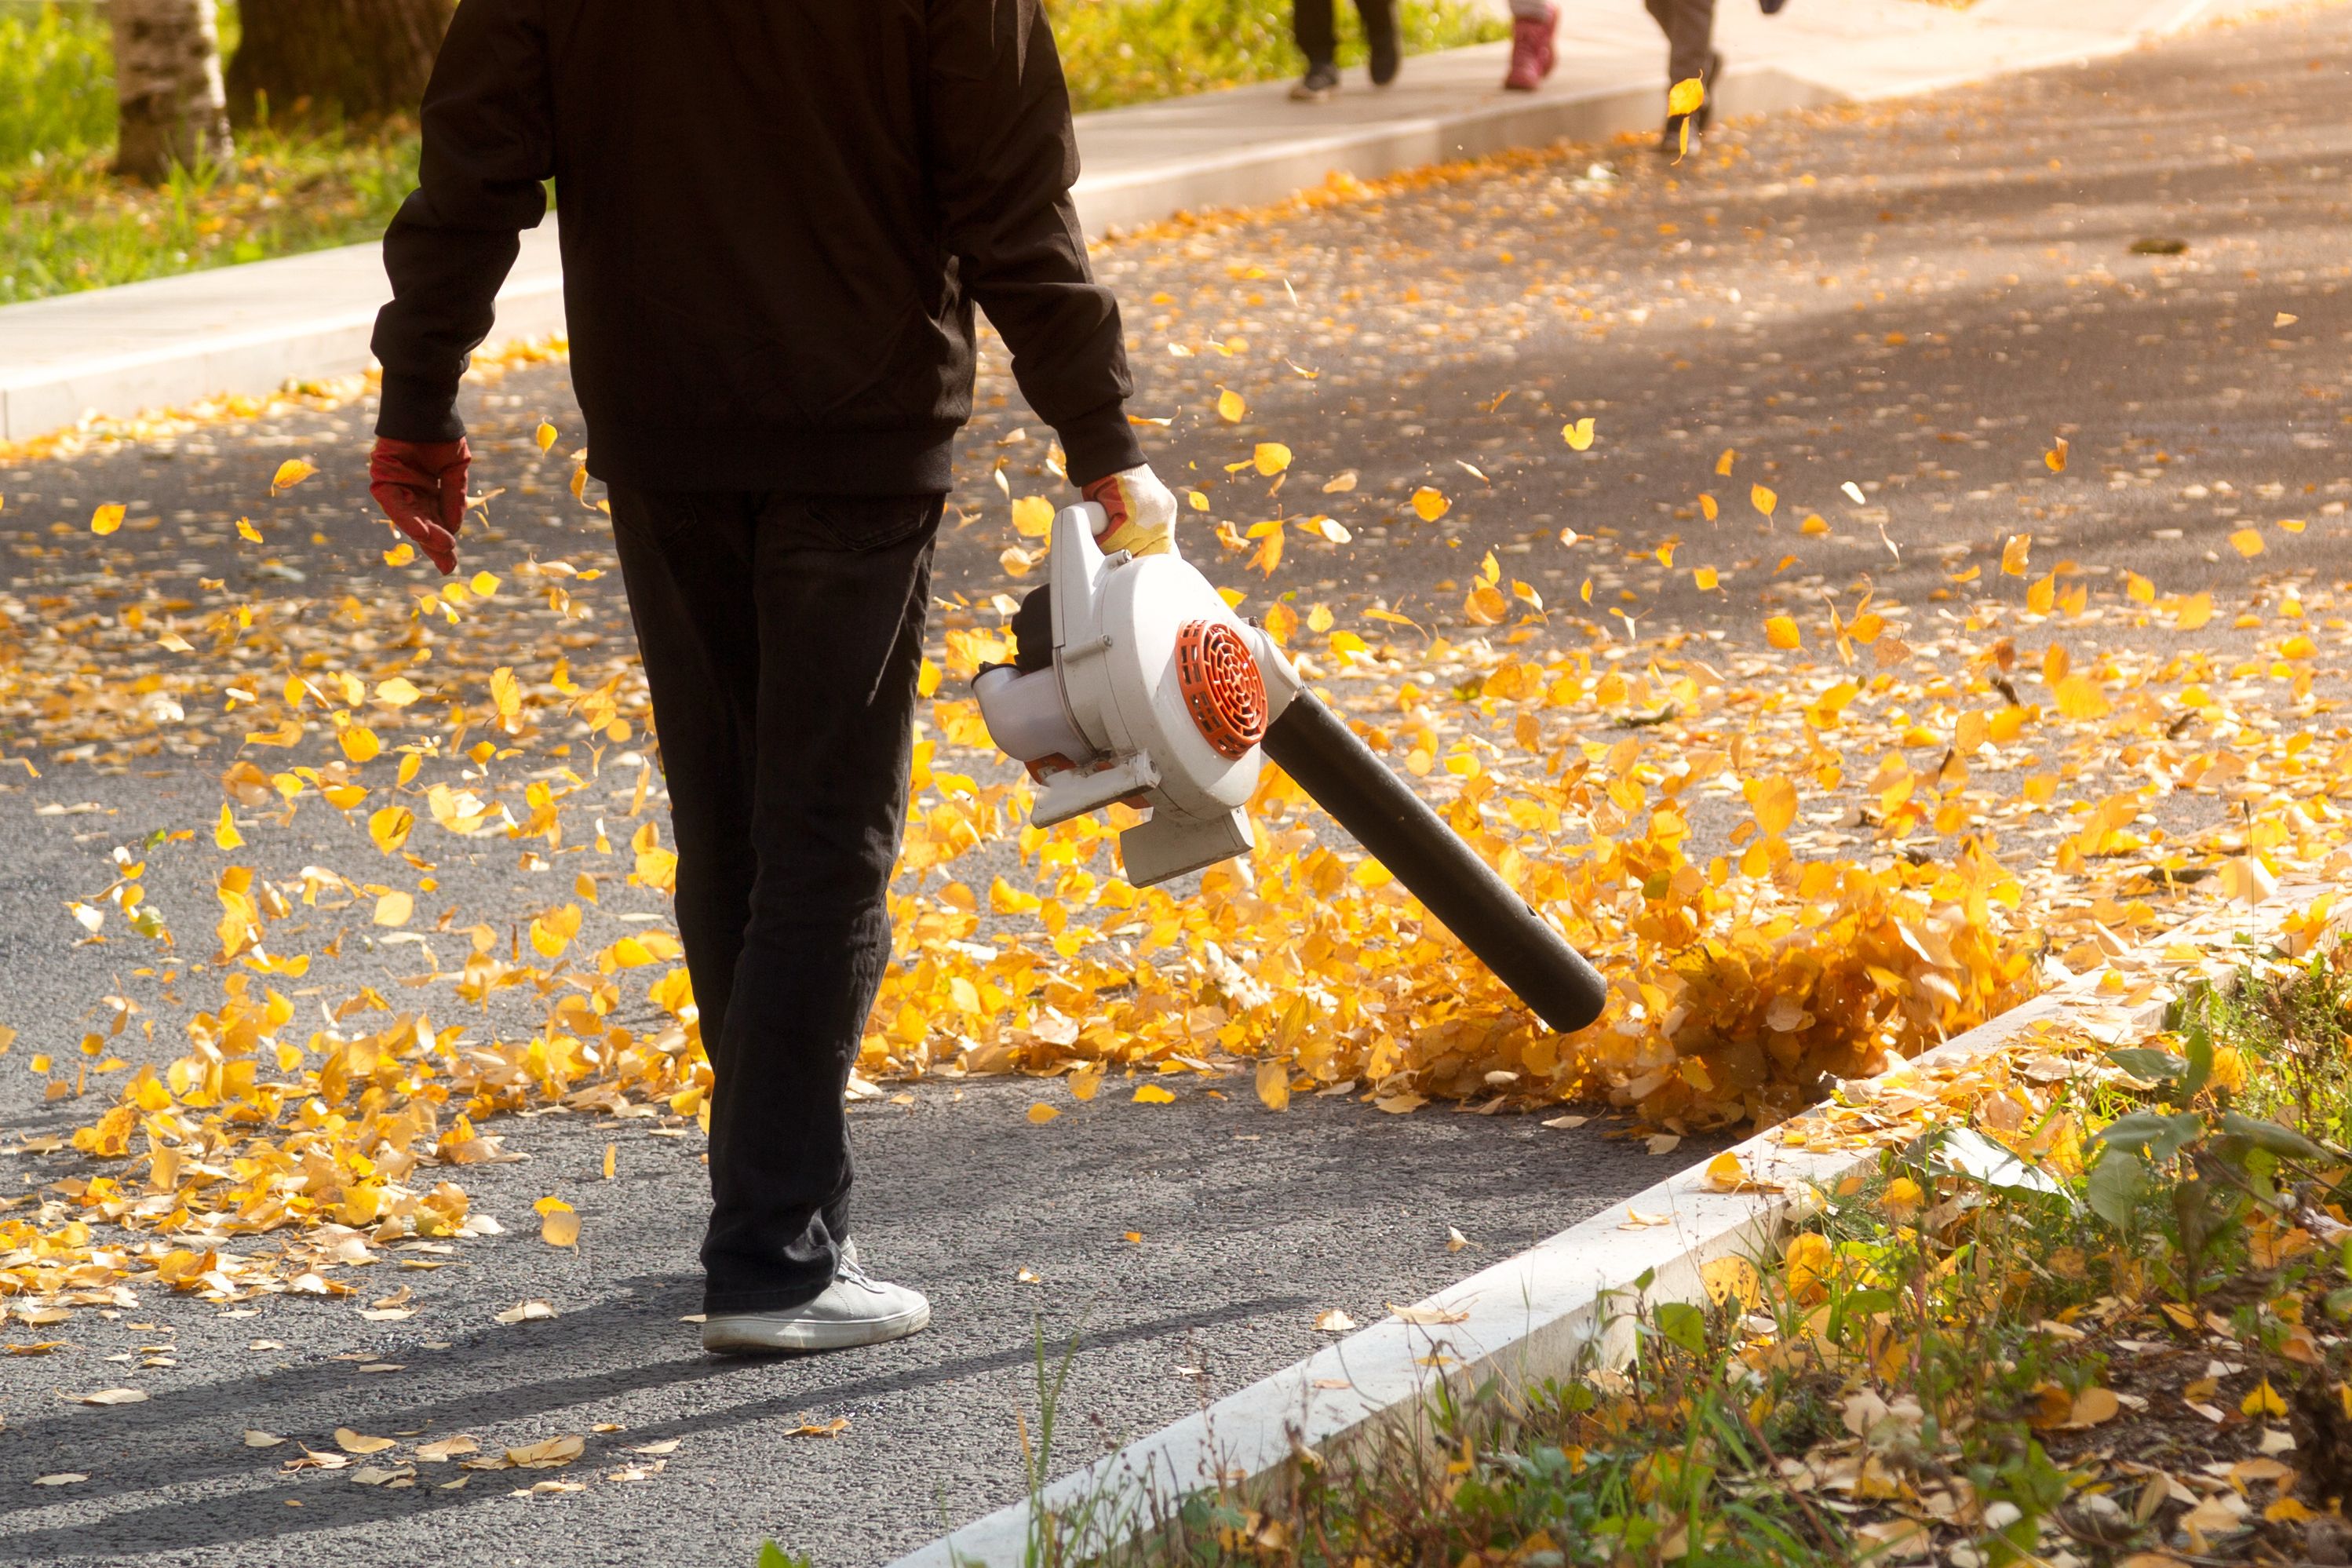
column 2056, row 1331
column 73, row 226
column 57, row 83
column 1117, row 52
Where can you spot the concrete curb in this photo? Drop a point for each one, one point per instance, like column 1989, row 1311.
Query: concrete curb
column 1535, row 1316
column 252, row 329
column 1252, row 176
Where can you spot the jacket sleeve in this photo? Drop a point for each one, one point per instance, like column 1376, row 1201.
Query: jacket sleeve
column 488, row 143
column 1003, row 156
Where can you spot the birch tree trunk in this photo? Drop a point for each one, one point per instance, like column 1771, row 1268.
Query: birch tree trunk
column 167, row 83
column 352, row 59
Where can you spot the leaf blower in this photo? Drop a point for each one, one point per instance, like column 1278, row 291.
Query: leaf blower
column 1133, row 681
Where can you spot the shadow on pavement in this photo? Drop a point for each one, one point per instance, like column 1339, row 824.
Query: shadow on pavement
column 188, row 1436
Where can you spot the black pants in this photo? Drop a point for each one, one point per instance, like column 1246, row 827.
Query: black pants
column 1689, row 27
column 1317, row 30
column 782, row 636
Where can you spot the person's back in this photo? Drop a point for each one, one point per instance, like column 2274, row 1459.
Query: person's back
column 765, row 208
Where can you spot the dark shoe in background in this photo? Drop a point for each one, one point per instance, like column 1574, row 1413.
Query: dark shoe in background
column 1320, row 83
column 1531, row 51
column 1772, row 7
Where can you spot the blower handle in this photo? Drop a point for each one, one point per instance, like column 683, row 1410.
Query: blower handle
column 1314, row 747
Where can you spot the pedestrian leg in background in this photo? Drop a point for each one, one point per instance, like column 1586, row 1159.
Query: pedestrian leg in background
column 1313, row 23
column 1384, row 37
column 1689, row 27
column 1533, row 25
column 782, row 636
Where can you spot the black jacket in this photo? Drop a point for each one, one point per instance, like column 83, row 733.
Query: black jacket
column 776, row 216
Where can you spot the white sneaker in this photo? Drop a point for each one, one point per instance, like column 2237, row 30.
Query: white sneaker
column 854, row 1310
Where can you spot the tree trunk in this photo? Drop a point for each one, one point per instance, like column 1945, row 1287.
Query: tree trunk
column 167, row 81
column 351, row 60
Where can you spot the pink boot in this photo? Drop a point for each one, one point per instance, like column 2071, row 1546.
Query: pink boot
column 1531, row 53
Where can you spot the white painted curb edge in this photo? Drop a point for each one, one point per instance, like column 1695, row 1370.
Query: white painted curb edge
column 1527, row 1319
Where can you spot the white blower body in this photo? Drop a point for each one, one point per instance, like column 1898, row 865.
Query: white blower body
column 1157, row 695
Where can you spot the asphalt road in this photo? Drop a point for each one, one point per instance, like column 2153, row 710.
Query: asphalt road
column 1915, row 298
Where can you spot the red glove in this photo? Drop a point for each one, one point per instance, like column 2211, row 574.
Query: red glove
column 421, row 486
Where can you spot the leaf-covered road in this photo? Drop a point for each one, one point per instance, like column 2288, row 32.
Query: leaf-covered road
column 1918, row 300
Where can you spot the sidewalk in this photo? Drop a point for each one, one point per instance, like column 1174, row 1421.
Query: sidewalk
column 250, row 328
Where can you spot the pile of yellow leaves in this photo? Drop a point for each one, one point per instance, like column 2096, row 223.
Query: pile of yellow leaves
column 1789, row 870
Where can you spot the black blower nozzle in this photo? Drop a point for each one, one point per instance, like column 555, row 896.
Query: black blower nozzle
column 1314, row 746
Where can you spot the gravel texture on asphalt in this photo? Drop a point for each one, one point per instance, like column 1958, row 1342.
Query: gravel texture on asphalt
column 1915, row 296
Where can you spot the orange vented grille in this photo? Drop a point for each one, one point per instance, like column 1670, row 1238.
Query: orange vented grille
column 1221, row 687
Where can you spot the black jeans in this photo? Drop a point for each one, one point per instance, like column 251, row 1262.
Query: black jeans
column 782, row 636
column 1313, row 25
column 1689, row 27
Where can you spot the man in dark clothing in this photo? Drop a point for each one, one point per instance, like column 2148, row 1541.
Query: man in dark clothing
column 1314, row 24
column 777, row 216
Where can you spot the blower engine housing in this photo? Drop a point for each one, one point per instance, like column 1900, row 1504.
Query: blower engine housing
column 1156, row 694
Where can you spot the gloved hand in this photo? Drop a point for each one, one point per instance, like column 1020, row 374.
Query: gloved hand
column 421, row 486
column 1143, row 511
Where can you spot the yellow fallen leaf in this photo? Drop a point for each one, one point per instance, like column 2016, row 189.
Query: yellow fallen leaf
column 1429, row 1316
column 2247, row 542
column 1763, row 498
column 1230, row 406
column 1271, row 458
column 225, row 836
column 1429, row 504
column 1578, row 434
column 2263, row 1400
column 393, row 909
column 107, row 518
column 2013, row 555
column 1152, row 1094
column 1041, row 1114
column 2054, row 459
column 1274, row 1084
column 390, row 827
column 351, row 1442
column 560, row 1226
column 1702, row 578
column 2092, row 1406
column 246, row 531
column 1032, row 517
column 1782, row 632
column 544, row 436
column 290, row 472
